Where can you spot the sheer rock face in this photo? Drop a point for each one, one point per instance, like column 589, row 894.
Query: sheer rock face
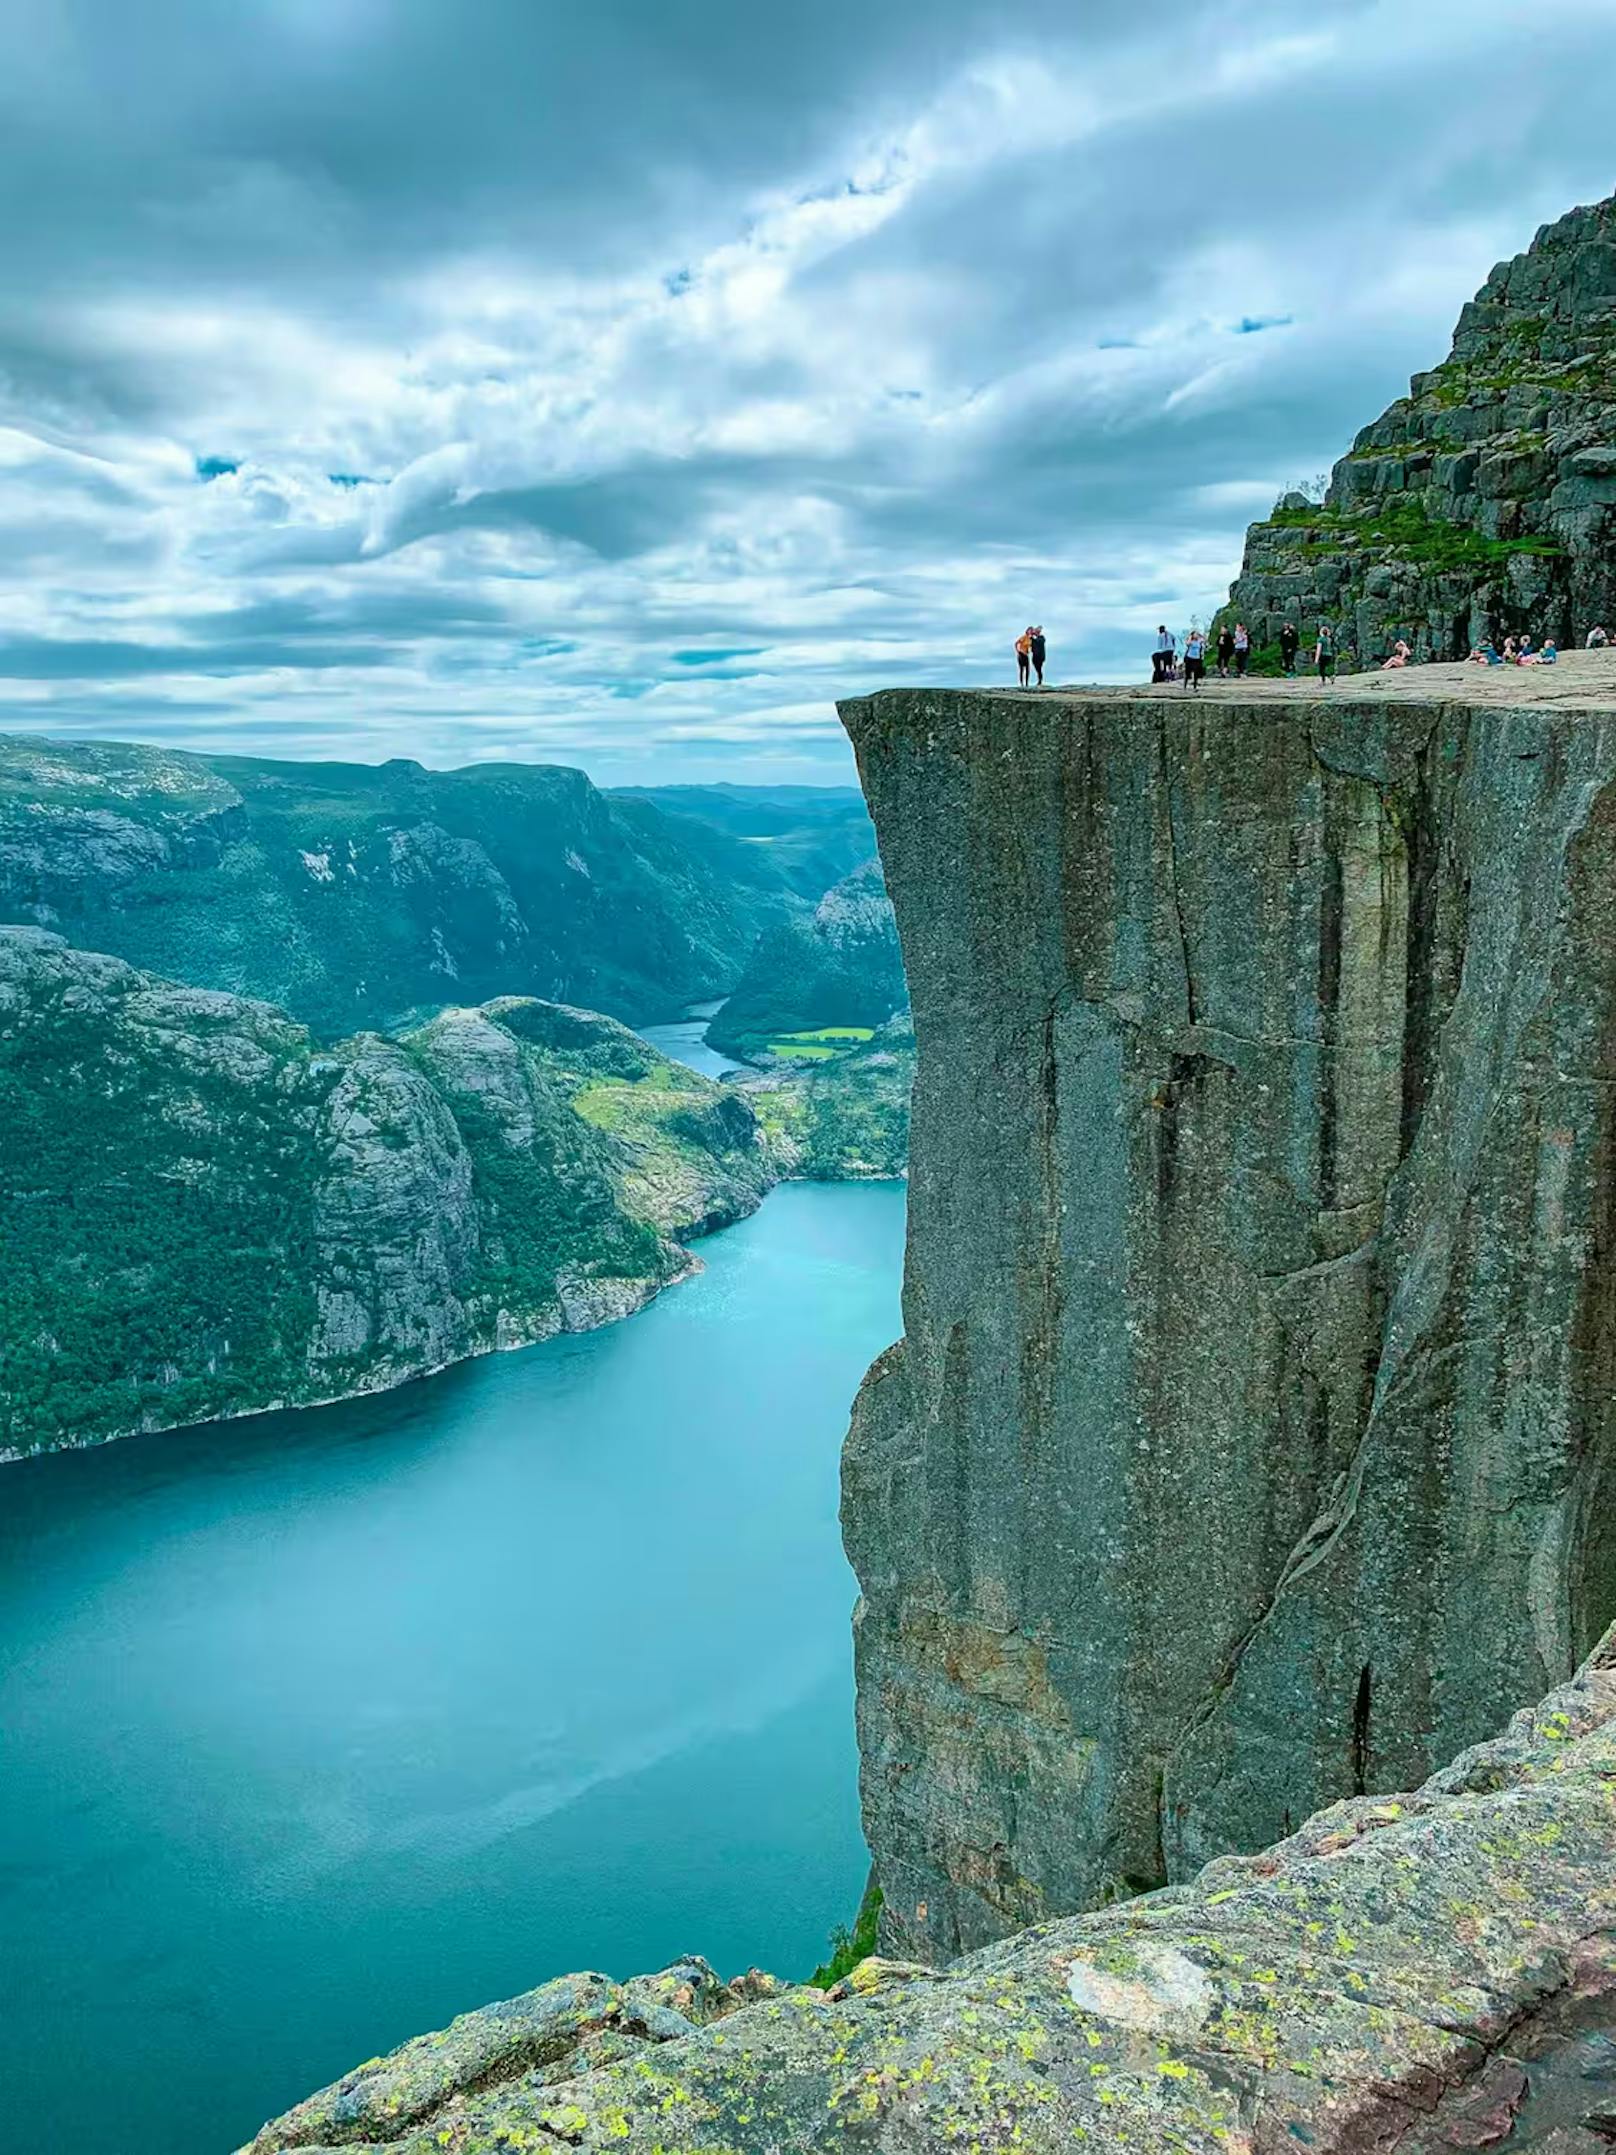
column 1483, row 502
column 1252, row 1436
column 1409, row 1975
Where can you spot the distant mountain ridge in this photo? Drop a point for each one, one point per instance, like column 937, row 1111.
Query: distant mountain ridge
column 370, row 895
column 813, row 835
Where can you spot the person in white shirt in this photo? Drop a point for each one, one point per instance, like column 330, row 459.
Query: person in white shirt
column 1165, row 654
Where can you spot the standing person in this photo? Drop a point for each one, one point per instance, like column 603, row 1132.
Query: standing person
column 1289, row 637
column 1242, row 647
column 1039, row 647
column 1225, row 650
column 1023, row 656
column 1324, row 651
column 1194, row 659
column 1161, row 659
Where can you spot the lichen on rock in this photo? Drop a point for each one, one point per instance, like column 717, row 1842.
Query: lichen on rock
column 1398, row 1975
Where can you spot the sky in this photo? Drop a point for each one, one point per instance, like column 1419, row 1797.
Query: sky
column 618, row 385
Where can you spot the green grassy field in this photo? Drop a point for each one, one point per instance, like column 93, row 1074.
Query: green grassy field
column 821, row 1044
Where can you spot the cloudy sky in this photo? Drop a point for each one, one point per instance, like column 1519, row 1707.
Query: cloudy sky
column 617, row 384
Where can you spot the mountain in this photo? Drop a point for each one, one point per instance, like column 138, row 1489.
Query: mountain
column 841, row 967
column 205, row 1212
column 811, row 835
column 360, row 895
column 1482, row 503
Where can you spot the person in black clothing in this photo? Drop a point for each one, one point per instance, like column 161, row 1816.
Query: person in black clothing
column 1038, row 649
column 1225, row 650
column 1290, row 638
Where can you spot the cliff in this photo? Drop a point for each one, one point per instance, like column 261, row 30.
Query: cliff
column 1429, row 1974
column 205, row 1213
column 355, row 895
column 1250, row 1442
column 1483, row 502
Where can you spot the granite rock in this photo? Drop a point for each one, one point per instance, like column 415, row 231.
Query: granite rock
column 1251, row 1441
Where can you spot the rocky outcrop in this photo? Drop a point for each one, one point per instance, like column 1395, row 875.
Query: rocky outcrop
column 1483, row 502
column 358, row 895
column 204, row 1212
column 1251, row 1441
column 842, row 967
column 1413, row 1974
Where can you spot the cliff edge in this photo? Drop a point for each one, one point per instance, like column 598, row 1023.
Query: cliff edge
column 1250, row 1443
column 1424, row 1975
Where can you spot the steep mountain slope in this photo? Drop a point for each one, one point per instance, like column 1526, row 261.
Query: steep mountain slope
column 1252, row 1438
column 1483, row 502
column 360, row 895
column 841, row 967
column 204, row 1212
column 811, row 835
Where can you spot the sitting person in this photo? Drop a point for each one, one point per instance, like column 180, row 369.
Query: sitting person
column 1512, row 651
column 1549, row 655
column 1401, row 654
column 1526, row 655
column 1485, row 655
column 1597, row 639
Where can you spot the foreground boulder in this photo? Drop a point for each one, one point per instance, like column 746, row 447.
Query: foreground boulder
column 1415, row 1974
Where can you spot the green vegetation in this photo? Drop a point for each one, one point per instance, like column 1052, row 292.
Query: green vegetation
column 845, row 1111
column 1401, row 528
column 819, row 981
column 849, row 1947
column 354, row 895
column 205, row 1213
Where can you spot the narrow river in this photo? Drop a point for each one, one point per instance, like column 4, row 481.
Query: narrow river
column 318, row 1728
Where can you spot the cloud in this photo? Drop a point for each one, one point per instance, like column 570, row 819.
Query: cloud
column 621, row 385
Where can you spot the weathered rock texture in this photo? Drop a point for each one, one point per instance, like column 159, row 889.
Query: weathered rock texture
column 1483, row 502
column 1407, row 1975
column 203, row 1212
column 1251, row 1441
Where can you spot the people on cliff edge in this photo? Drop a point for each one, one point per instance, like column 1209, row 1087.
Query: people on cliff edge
column 1164, row 659
column 1225, row 651
column 1400, row 656
column 1597, row 640
column 1324, row 651
column 1024, row 657
column 1039, row 648
column 1290, row 637
column 1194, row 659
column 1242, row 648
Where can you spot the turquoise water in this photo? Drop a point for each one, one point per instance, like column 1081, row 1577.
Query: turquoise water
column 686, row 1041
column 318, row 1728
